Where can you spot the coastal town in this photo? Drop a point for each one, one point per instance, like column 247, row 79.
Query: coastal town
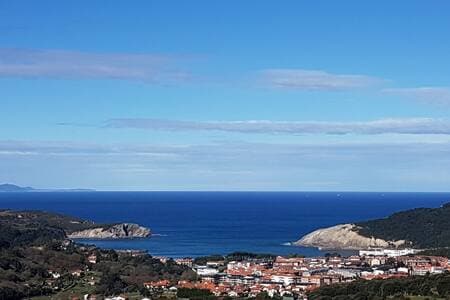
column 290, row 277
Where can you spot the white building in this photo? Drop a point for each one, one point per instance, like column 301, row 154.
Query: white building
column 346, row 273
column 116, row 298
column 387, row 252
column 284, row 279
column 206, row 271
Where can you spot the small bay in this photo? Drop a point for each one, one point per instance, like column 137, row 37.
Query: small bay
column 202, row 223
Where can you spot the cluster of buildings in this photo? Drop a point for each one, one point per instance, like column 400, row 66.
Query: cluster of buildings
column 295, row 276
column 283, row 276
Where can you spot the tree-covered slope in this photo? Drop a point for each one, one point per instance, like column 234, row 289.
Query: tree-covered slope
column 433, row 287
column 20, row 228
column 423, row 227
column 33, row 245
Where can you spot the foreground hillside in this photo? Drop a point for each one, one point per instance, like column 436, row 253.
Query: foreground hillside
column 36, row 258
column 420, row 228
column 416, row 287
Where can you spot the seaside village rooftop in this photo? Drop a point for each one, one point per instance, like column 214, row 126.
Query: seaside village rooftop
column 294, row 276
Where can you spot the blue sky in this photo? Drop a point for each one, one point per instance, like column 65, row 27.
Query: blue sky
column 225, row 95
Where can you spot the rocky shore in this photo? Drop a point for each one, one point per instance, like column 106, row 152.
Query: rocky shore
column 117, row 231
column 344, row 237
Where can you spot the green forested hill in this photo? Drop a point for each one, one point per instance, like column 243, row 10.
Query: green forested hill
column 20, row 228
column 423, row 227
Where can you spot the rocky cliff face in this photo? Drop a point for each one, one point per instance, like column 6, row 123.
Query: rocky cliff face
column 118, row 231
column 344, row 236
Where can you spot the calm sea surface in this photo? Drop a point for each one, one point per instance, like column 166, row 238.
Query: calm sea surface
column 202, row 223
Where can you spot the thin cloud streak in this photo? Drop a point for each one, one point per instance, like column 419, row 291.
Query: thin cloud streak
column 73, row 148
column 61, row 64
column 439, row 95
column 314, row 80
column 384, row 126
column 225, row 150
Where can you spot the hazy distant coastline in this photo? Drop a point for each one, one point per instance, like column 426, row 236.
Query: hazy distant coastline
column 7, row 187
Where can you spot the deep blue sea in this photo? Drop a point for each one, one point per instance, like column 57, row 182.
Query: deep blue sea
column 203, row 223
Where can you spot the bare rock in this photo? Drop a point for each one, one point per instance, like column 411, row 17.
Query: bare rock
column 344, row 236
column 117, row 231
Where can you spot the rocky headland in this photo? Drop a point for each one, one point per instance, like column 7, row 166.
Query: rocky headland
column 418, row 228
column 117, row 231
column 344, row 237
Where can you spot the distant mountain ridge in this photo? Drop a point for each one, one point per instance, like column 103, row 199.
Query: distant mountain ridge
column 8, row 187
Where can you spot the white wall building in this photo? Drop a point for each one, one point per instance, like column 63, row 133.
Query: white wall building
column 205, row 271
column 387, row 252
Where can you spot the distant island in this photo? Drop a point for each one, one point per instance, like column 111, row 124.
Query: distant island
column 420, row 228
column 7, row 187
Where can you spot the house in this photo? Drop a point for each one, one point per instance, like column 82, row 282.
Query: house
column 187, row 261
column 215, row 264
column 92, row 259
column 117, row 298
column 162, row 259
column 284, row 279
column 77, row 273
column 375, row 260
column 345, row 273
column 335, row 261
column 92, row 281
column 289, row 263
column 353, row 260
column 206, row 271
column 54, row 274
column 161, row 284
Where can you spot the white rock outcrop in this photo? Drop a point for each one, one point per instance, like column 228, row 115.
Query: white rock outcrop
column 344, row 236
column 117, row 231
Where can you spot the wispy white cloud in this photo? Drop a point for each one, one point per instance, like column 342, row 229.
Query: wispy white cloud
column 61, row 64
column 314, row 80
column 440, row 95
column 383, row 126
